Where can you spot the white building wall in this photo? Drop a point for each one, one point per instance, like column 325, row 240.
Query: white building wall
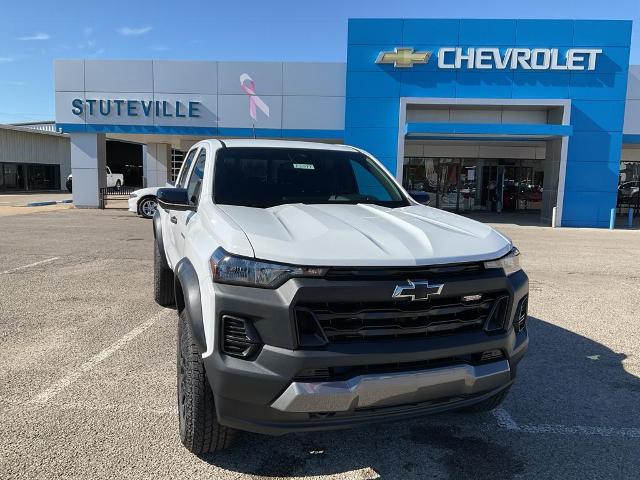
column 632, row 108
column 26, row 145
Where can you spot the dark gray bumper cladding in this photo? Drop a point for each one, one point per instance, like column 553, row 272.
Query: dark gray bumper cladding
column 263, row 395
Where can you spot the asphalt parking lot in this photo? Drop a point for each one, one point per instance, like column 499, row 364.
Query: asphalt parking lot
column 87, row 368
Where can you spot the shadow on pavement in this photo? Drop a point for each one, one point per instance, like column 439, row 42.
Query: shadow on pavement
column 565, row 378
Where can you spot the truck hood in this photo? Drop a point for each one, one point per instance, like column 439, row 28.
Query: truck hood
column 365, row 235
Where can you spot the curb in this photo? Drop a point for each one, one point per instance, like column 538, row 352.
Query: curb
column 49, row 202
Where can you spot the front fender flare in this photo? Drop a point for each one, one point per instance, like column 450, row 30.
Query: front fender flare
column 188, row 296
column 157, row 234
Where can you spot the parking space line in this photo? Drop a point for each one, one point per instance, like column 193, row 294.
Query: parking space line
column 30, row 265
column 76, row 373
column 504, row 419
column 508, row 423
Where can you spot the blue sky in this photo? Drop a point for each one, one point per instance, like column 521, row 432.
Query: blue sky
column 34, row 33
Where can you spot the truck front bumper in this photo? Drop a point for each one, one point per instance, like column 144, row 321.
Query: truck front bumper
column 267, row 395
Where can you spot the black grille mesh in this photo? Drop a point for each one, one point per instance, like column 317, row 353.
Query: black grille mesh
column 373, row 321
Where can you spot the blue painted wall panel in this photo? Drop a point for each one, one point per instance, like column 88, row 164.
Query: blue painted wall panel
column 597, row 115
column 428, row 84
column 540, row 85
column 604, row 147
column 380, row 142
column 437, row 31
column 364, row 31
column 479, row 84
column 587, row 209
column 490, row 33
column 604, row 86
column 606, row 33
column 554, row 33
column 373, row 84
column 591, row 177
column 372, row 112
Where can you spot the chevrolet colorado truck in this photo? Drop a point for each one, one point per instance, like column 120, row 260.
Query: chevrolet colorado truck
column 314, row 293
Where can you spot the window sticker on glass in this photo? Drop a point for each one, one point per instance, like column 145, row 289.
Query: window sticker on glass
column 304, row 166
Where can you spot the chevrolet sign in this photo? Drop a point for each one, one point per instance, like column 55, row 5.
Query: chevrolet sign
column 494, row 58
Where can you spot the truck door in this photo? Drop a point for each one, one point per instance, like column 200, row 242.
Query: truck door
column 194, row 186
column 110, row 182
column 170, row 219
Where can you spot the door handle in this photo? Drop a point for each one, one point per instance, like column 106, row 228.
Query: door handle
column 173, row 219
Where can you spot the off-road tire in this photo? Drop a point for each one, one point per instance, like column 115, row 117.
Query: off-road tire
column 487, row 404
column 200, row 431
column 162, row 280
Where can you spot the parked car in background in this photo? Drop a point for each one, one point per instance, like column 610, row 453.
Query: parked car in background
column 143, row 202
column 113, row 180
column 628, row 192
column 420, row 196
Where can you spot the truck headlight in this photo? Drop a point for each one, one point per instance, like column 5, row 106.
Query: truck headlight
column 227, row 268
column 510, row 263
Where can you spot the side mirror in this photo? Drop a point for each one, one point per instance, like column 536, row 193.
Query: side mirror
column 174, row 199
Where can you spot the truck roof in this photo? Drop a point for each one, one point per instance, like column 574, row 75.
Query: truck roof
column 242, row 142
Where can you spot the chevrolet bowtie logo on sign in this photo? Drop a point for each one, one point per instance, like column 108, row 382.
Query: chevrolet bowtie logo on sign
column 403, row 57
column 417, row 290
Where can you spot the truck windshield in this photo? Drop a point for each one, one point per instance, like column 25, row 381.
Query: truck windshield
column 266, row 177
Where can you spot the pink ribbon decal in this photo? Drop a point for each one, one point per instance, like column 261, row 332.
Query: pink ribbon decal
column 246, row 82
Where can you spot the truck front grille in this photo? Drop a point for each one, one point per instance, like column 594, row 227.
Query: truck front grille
column 339, row 322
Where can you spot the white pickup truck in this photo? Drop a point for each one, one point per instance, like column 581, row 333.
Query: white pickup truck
column 314, row 293
column 113, row 180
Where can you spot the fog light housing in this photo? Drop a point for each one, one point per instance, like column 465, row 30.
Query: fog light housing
column 239, row 337
column 498, row 315
column 522, row 313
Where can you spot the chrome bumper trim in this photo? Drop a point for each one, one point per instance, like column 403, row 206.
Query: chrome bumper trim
column 378, row 390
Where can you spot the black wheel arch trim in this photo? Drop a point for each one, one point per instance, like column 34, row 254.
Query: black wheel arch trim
column 157, row 234
column 188, row 297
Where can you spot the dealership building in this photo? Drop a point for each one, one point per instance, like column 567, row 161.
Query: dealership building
column 519, row 116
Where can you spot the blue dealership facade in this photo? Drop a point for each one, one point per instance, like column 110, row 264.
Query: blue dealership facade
column 525, row 115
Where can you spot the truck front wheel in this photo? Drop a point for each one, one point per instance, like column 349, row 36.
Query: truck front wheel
column 200, row 431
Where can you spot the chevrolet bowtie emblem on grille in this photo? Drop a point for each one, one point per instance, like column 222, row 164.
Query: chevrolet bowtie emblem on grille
column 403, row 57
column 419, row 290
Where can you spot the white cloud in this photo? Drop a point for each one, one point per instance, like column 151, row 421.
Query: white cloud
column 6, row 59
column 36, row 36
column 132, row 31
column 97, row 53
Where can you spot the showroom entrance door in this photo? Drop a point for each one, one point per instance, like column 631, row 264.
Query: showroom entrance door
column 464, row 184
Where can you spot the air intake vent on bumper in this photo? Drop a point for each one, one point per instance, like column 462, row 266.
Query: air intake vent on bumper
column 498, row 315
column 520, row 322
column 239, row 337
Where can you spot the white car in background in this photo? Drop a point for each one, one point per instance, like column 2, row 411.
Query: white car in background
column 143, row 202
column 113, row 180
